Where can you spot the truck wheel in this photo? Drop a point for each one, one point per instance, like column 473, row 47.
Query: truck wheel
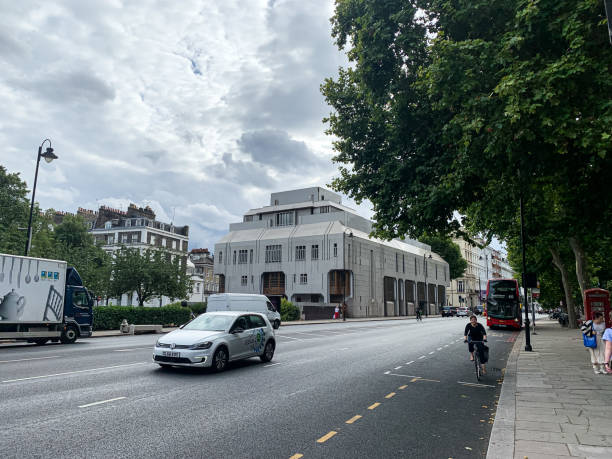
column 69, row 335
column 40, row 341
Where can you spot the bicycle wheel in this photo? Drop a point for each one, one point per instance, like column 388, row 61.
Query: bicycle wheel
column 477, row 364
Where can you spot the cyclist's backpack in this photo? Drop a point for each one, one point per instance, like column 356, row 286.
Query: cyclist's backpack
column 485, row 353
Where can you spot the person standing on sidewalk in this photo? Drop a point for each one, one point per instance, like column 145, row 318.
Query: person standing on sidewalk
column 596, row 327
column 607, row 339
column 337, row 312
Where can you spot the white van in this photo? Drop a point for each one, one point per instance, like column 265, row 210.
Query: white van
column 244, row 302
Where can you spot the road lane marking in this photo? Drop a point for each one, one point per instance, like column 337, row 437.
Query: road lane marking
column 373, row 406
column 432, row 352
column 446, row 345
column 402, row 387
column 296, row 456
column 353, row 419
column 73, row 372
column 390, row 395
column 311, row 334
column 403, row 376
column 439, row 349
column 414, row 380
column 327, row 436
column 474, row 384
column 418, row 378
column 288, row 337
column 397, row 368
column 32, row 358
column 411, row 362
column 132, row 349
column 271, row 364
column 422, row 357
column 101, row 402
column 387, row 372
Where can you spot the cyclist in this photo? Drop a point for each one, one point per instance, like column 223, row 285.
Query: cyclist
column 475, row 332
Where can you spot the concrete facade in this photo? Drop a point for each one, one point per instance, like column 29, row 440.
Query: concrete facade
column 309, row 248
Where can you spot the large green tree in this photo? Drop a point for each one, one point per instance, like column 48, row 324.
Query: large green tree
column 149, row 273
column 464, row 105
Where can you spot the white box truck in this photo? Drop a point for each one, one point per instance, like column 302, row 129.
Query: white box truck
column 42, row 300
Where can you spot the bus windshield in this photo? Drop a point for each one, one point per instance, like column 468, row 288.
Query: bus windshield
column 502, row 300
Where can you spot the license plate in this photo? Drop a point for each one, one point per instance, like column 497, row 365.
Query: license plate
column 171, row 354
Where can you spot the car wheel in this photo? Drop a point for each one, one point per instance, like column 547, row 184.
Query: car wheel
column 220, row 359
column 276, row 324
column 268, row 352
column 69, row 335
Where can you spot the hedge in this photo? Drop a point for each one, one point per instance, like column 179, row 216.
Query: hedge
column 110, row 317
column 289, row 311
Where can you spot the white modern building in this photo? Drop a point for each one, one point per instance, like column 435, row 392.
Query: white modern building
column 309, row 248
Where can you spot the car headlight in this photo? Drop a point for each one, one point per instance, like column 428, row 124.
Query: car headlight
column 204, row 345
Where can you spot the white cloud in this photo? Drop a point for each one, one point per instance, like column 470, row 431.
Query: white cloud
column 187, row 106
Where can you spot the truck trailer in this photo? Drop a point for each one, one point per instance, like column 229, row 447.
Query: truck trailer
column 42, row 300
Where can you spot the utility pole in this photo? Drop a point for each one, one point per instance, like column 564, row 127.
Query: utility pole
column 524, row 274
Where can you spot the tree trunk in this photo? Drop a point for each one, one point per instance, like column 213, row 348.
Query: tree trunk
column 581, row 265
column 569, row 301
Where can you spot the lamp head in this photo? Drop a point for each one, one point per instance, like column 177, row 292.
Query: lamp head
column 48, row 155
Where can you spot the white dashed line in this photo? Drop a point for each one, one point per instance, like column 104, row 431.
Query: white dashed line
column 408, row 363
column 73, row 372
column 100, row 403
column 422, row 357
column 271, row 364
column 397, row 368
column 446, row 345
column 439, row 349
column 432, row 352
column 474, row 384
column 32, row 358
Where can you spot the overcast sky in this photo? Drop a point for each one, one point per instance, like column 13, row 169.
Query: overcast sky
column 197, row 108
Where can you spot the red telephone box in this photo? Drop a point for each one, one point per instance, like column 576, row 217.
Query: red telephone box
column 597, row 299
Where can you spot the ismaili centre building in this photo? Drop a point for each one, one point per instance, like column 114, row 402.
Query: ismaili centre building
column 310, row 249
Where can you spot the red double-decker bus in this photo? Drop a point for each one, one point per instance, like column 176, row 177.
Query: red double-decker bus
column 503, row 304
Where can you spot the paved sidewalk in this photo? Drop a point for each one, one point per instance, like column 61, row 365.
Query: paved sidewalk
column 552, row 405
column 104, row 333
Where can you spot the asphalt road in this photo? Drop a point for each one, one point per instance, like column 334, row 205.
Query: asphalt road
column 355, row 389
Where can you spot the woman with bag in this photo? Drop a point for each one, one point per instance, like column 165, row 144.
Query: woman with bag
column 592, row 333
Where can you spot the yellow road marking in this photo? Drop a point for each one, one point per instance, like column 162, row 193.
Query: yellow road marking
column 373, row 406
column 327, row 436
column 353, row 419
column 296, row 456
column 402, row 387
column 414, row 379
column 423, row 379
column 390, row 395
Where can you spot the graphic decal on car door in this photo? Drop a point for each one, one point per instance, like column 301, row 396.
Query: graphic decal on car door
column 256, row 340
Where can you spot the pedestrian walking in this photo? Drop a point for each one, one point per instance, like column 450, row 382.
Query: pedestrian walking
column 344, row 310
column 607, row 339
column 337, row 312
column 593, row 331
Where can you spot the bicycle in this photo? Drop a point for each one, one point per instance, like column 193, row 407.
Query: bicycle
column 477, row 351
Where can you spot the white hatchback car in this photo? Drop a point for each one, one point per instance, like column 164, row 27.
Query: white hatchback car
column 215, row 338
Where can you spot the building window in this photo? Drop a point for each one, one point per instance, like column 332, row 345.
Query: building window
column 396, row 263
column 284, row 219
column 416, row 267
column 335, row 249
column 314, row 252
column 403, row 264
column 460, row 287
column 128, row 222
column 436, row 271
column 242, row 257
column 276, row 202
column 303, row 279
column 108, row 225
column 324, row 209
column 163, row 242
column 198, row 287
column 234, row 258
column 251, row 256
column 273, row 253
column 110, row 239
column 220, row 257
column 124, row 238
column 243, row 280
column 152, row 239
column 300, row 253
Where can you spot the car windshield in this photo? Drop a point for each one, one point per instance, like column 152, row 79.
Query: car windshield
column 210, row 322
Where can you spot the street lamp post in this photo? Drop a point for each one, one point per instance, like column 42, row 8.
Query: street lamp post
column 48, row 156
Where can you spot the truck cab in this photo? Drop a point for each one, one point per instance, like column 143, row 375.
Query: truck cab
column 78, row 308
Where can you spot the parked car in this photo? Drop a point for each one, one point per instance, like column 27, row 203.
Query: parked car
column 246, row 303
column 454, row 310
column 478, row 310
column 463, row 312
column 214, row 339
column 448, row 311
